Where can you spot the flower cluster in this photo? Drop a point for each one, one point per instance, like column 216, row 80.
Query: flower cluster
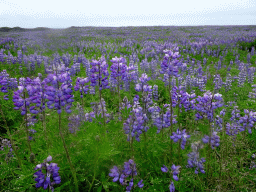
column 6, row 144
column 155, row 92
column 98, row 69
column 143, row 86
column 44, row 180
column 129, row 170
column 97, row 109
column 118, row 69
column 181, row 98
column 80, row 85
column 253, row 94
column 180, row 135
column 214, row 140
column 248, row 120
column 227, row 85
column 193, row 158
column 170, row 63
column 4, row 78
column 19, row 96
column 217, row 82
column 125, row 104
column 134, row 125
column 207, row 104
column 175, row 172
column 59, row 93
column 232, row 130
column 253, row 164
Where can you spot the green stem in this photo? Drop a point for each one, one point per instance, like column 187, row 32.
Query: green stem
column 145, row 142
column 67, row 154
column 45, row 131
column 103, row 115
column 209, row 154
column 26, row 124
column 102, row 106
column 66, row 150
column 179, row 152
column 131, row 140
column 118, row 92
column 93, row 179
column 170, row 130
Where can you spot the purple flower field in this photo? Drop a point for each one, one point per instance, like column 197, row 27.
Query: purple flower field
column 128, row 109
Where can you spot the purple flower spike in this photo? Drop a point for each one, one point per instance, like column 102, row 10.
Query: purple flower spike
column 114, row 173
column 44, row 180
column 129, row 170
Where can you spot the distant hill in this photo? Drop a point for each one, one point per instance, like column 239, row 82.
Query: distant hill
column 19, row 29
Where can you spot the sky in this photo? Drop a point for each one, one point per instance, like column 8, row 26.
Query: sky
column 118, row 13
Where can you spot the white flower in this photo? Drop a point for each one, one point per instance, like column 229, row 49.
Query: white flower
column 21, row 88
column 217, row 95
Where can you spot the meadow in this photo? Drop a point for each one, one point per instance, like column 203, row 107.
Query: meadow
column 128, row 109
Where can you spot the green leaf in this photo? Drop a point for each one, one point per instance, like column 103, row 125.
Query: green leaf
column 99, row 189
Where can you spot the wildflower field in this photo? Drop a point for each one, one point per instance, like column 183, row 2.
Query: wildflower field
column 128, row 109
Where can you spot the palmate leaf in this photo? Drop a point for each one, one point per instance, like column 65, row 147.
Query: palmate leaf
column 107, row 151
column 21, row 183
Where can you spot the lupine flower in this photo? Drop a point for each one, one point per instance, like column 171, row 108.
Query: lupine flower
column 253, row 94
column 143, row 86
column 228, row 82
column 60, row 92
column 180, row 135
column 125, row 103
column 207, row 104
column 99, row 68
column 118, row 69
column 242, row 76
column 170, row 64
column 80, row 85
column 155, row 92
column 175, row 172
column 4, row 77
column 232, row 130
column 129, row 170
column 6, row 144
column 194, row 160
column 214, row 140
column 97, row 108
column 218, row 121
column 114, row 172
column 217, row 81
column 253, row 164
column 44, row 180
column 250, row 74
column 248, row 120
column 137, row 119
column 172, row 187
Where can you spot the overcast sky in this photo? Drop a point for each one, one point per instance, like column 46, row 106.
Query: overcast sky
column 116, row 13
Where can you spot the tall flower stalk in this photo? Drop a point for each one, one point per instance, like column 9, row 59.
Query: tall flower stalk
column 100, row 68
column 205, row 108
column 23, row 102
column 118, row 69
column 61, row 95
column 169, row 67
